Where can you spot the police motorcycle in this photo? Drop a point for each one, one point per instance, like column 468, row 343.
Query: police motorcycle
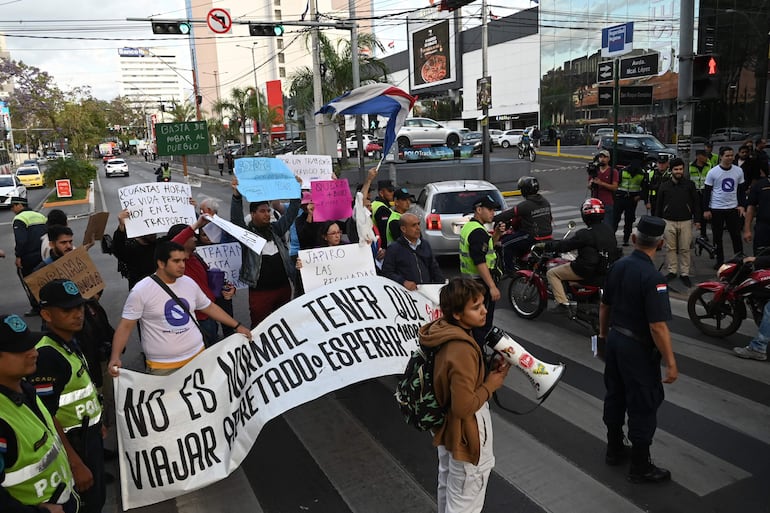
column 526, row 150
column 717, row 308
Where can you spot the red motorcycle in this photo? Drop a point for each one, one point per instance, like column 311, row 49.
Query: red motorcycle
column 717, row 308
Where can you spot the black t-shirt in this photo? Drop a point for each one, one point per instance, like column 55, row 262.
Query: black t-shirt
column 759, row 196
column 478, row 244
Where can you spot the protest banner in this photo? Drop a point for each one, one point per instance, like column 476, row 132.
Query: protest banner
column 76, row 266
column 250, row 239
column 309, row 167
column 185, row 431
column 332, row 200
column 322, row 266
column 97, row 223
column 225, row 257
column 265, row 179
column 155, row 207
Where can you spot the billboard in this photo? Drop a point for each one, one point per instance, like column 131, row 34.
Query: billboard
column 432, row 52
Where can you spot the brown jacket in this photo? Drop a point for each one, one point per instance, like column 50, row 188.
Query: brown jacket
column 458, row 380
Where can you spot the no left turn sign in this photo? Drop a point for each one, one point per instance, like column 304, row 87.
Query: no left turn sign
column 219, row 21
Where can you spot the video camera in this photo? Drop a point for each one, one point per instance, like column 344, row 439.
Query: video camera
column 592, row 169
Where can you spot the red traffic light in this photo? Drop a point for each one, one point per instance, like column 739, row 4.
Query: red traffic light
column 712, row 66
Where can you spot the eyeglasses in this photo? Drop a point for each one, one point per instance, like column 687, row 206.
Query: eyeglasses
column 334, row 233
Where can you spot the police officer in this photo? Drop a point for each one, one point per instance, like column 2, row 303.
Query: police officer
column 636, row 300
column 627, row 196
column 64, row 384
column 478, row 259
column 33, row 463
column 402, row 201
column 698, row 170
column 381, row 208
column 711, row 158
column 655, row 177
column 758, row 208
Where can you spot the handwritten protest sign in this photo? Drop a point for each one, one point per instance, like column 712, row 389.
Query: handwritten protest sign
column 76, row 266
column 322, row 266
column 225, row 257
column 97, row 222
column 265, row 179
column 155, row 207
column 185, row 431
column 250, row 239
column 332, row 200
column 309, row 167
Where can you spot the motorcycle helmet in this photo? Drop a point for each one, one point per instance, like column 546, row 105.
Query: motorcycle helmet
column 592, row 211
column 528, row 185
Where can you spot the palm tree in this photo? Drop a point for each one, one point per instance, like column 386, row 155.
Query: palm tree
column 240, row 106
column 337, row 62
column 181, row 112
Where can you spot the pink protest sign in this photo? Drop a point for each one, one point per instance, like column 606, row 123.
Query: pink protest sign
column 332, row 200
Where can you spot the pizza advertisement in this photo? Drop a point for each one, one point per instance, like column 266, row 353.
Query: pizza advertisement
column 432, row 53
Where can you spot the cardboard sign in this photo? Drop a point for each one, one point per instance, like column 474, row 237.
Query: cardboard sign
column 266, row 179
column 155, row 207
column 76, row 266
column 322, row 266
column 225, row 257
column 309, row 167
column 64, row 188
column 332, row 200
column 97, row 223
column 249, row 239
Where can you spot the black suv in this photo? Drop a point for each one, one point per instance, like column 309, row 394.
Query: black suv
column 644, row 148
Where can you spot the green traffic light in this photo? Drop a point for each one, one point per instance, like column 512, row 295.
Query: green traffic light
column 184, row 28
column 278, row 30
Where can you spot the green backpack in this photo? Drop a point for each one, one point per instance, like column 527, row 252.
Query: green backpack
column 414, row 393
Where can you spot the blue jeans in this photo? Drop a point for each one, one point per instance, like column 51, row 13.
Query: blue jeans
column 759, row 343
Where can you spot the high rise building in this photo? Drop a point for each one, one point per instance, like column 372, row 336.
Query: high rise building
column 150, row 77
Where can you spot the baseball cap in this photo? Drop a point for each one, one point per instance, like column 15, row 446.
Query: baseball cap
column 402, row 193
column 15, row 336
column 385, row 184
column 488, row 202
column 61, row 293
column 651, row 226
column 604, row 152
column 19, row 200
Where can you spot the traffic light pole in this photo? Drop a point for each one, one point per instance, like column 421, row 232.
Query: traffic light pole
column 684, row 111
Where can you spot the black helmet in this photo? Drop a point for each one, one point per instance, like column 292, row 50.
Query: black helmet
column 592, row 211
column 528, row 185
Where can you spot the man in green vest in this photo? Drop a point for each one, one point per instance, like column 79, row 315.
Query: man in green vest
column 712, row 159
column 402, row 201
column 381, row 208
column 627, row 196
column 28, row 227
column 698, row 170
column 63, row 382
column 34, row 472
column 655, row 177
column 478, row 259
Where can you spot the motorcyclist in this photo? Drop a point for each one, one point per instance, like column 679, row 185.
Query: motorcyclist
column 596, row 246
column 530, row 221
column 525, row 142
column 163, row 172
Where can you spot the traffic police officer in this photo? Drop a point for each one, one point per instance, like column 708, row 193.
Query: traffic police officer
column 34, row 473
column 63, row 382
column 478, row 259
column 381, row 208
column 627, row 196
column 636, row 301
column 655, row 177
column 698, row 170
column 402, row 201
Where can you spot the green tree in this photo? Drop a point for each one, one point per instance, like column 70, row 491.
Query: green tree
column 239, row 105
column 181, row 112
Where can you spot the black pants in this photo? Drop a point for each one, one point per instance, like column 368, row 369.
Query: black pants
column 89, row 446
column 726, row 218
column 761, row 236
column 633, row 382
column 480, row 334
column 625, row 205
column 703, row 222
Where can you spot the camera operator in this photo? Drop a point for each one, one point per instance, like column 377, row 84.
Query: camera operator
column 603, row 182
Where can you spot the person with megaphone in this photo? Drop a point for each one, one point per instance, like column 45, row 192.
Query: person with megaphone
column 634, row 336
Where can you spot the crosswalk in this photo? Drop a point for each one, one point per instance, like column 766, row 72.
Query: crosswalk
column 350, row 451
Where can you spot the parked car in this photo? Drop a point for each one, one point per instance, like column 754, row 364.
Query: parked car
column 30, row 176
column 115, row 167
column 10, row 186
column 603, row 132
column 445, row 207
column 419, row 131
column 644, row 148
column 511, row 137
column 474, row 139
column 728, row 134
column 573, row 137
column 352, row 143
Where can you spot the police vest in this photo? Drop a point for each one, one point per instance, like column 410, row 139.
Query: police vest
column 698, row 176
column 630, row 182
column 41, row 462
column 713, row 160
column 79, row 397
column 654, row 179
column 394, row 217
column 30, row 217
column 467, row 267
column 376, row 205
column 166, row 173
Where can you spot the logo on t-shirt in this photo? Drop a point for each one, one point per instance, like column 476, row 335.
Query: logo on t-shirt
column 728, row 185
column 175, row 314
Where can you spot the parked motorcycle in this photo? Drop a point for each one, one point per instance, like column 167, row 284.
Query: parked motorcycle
column 526, row 150
column 717, row 308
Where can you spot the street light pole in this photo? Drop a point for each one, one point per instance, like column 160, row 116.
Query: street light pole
column 485, row 164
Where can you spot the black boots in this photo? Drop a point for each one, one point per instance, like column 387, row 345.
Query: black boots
column 643, row 470
column 617, row 451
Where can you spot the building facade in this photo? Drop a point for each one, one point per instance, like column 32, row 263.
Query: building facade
column 149, row 78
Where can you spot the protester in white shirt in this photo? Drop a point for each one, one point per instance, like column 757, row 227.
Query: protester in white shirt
column 724, row 200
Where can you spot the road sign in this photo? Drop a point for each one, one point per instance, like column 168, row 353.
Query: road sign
column 617, row 40
column 640, row 66
column 606, row 96
column 636, row 95
column 190, row 138
column 63, row 188
column 219, row 21
column 604, row 72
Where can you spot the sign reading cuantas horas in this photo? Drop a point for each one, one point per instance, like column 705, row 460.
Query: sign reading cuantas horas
column 189, row 138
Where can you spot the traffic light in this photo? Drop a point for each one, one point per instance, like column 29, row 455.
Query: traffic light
column 179, row 28
column 266, row 29
column 451, row 5
column 706, row 77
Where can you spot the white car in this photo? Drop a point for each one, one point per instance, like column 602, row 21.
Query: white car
column 424, row 131
column 115, row 167
column 10, row 186
column 495, row 135
column 511, row 137
column 352, row 143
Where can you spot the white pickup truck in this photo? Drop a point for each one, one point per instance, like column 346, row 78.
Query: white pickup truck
column 352, row 143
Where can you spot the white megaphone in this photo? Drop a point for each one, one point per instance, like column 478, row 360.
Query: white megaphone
column 542, row 376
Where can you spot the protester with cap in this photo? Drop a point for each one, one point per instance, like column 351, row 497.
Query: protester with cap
column 655, row 177
column 381, row 207
column 478, row 259
column 28, row 228
column 725, row 200
column 64, row 383
column 633, row 337
column 31, row 452
column 401, row 204
column 604, row 185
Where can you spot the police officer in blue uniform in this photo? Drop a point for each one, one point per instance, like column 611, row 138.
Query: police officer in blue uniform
column 634, row 332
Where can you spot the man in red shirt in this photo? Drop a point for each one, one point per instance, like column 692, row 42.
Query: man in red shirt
column 604, row 184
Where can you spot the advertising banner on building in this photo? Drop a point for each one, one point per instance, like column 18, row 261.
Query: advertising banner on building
column 432, row 55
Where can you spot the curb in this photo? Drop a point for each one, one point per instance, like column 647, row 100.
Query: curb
column 507, row 194
column 66, row 203
column 565, row 155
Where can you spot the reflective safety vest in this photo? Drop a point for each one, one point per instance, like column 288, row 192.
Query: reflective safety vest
column 629, row 182
column 376, row 204
column 713, row 160
column 41, row 462
column 698, row 176
column 30, row 217
column 467, row 267
column 79, row 397
column 654, row 179
column 394, row 217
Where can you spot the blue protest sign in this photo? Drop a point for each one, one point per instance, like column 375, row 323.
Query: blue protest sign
column 265, row 179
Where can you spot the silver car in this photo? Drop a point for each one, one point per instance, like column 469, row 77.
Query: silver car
column 417, row 131
column 445, row 207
